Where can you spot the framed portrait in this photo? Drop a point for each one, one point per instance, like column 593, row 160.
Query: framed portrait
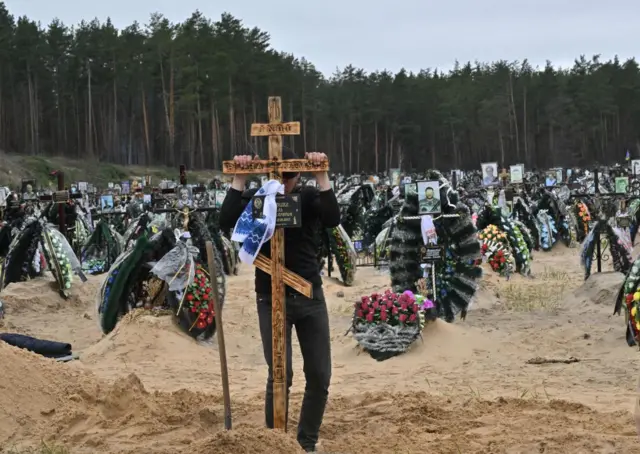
column 220, row 195
column 394, row 174
column 355, row 179
column 489, row 173
column 429, row 197
column 551, row 178
column 622, row 185
column 253, row 185
column 126, row 187
column 106, row 202
column 146, row 199
column 635, row 167
column 517, row 173
column 559, row 177
column 407, row 180
column 410, row 188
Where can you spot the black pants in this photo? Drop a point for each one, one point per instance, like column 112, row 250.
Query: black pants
column 311, row 319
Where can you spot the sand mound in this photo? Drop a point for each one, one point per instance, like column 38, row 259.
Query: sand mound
column 141, row 341
column 41, row 294
column 42, row 399
column 601, row 288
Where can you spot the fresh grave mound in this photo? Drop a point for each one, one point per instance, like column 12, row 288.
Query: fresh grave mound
column 44, row 400
column 41, row 294
column 601, row 288
column 153, row 347
column 417, row 422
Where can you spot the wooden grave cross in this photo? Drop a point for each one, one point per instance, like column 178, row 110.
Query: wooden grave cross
column 280, row 276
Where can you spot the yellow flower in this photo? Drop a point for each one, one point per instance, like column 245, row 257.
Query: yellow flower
column 634, row 311
column 636, row 296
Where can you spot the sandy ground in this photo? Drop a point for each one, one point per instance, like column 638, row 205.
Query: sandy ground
column 465, row 388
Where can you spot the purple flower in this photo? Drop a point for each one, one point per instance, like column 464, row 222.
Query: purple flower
column 427, row 304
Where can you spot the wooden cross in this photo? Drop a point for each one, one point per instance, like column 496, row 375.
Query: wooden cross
column 275, row 266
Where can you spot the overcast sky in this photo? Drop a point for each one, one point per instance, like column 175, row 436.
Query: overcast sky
column 413, row 34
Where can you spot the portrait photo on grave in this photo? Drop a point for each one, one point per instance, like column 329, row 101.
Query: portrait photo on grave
column 489, row 173
column 551, row 180
column 635, row 167
column 429, row 197
column 559, row 174
column 622, row 185
column 410, row 188
column 516, row 173
column 394, row 175
column 106, row 202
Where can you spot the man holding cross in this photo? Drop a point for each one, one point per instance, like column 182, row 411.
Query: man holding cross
column 308, row 315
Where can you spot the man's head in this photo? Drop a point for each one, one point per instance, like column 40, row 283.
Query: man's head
column 488, row 170
column 428, row 193
column 289, row 179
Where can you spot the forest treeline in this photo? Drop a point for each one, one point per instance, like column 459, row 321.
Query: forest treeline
column 187, row 93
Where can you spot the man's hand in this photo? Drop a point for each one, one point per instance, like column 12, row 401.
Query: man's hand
column 322, row 177
column 243, row 162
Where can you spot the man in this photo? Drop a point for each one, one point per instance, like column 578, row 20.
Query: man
column 489, row 176
column 430, row 203
column 310, row 317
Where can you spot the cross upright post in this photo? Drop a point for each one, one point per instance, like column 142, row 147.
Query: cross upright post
column 275, row 266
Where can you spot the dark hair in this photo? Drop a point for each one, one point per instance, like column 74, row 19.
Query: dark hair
column 288, row 153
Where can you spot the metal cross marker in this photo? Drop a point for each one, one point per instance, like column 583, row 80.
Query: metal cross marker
column 280, row 276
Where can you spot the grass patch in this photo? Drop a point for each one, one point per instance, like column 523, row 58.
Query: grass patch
column 14, row 168
column 544, row 293
column 43, row 448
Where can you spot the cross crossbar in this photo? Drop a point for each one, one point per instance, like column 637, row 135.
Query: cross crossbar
column 258, row 166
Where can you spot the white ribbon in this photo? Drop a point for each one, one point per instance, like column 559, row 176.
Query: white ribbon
column 429, row 235
column 252, row 243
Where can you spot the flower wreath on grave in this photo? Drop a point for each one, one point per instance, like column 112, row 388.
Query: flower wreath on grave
column 583, row 218
column 386, row 324
column 629, row 298
column 516, row 243
column 101, row 250
column 163, row 273
column 523, row 216
column 457, row 274
column 548, row 230
column 345, row 254
column 36, row 248
column 619, row 246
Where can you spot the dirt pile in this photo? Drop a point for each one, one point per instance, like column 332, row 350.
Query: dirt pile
column 42, row 399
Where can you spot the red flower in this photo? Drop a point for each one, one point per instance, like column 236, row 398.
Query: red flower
column 193, row 309
column 394, row 310
column 403, row 306
column 365, row 300
column 402, row 318
column 370, row 317
column 364, row 306
column 189, row 296
column 202, row 315
column 383, row 316
column 359, row 314
column 415, row 307
column 376, row 305
column 629, row 297
column 201, row 324
column 210, row 319
column 412, row 317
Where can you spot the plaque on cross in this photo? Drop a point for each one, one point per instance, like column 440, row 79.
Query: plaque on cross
column 280, row 276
